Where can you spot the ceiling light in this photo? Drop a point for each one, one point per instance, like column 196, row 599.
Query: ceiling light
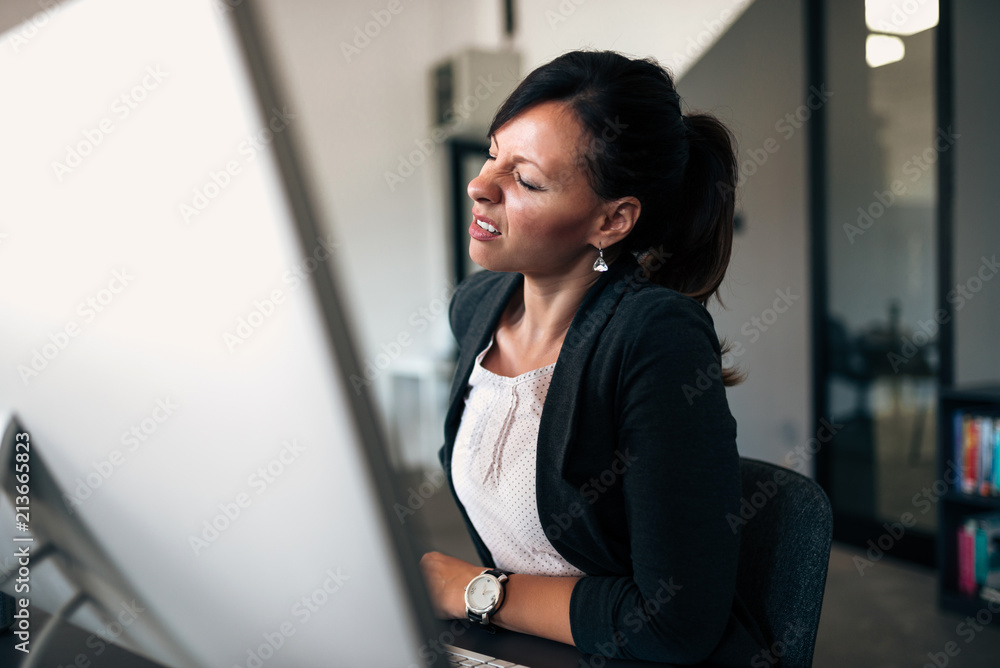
column 883, row 49
column 901, row 17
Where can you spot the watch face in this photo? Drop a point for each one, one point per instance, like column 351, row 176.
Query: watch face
column 482, row 593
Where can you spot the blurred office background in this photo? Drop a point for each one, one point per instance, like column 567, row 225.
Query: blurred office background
column 845, row 251
column 866, row 211
column 866, row 156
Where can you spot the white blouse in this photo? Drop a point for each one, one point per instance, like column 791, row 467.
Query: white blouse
column 493, row 468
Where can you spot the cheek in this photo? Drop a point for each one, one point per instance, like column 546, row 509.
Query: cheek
column 545, row 220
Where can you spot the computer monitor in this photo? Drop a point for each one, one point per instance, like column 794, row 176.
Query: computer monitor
column 174, row 345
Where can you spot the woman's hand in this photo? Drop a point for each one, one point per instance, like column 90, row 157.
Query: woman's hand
column 446, row 578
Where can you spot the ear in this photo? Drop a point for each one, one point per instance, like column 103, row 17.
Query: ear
column 618, row 219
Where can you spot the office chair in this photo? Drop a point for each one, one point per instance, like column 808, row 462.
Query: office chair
column 784, row 554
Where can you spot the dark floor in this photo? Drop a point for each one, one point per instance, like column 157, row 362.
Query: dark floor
column 888, row 617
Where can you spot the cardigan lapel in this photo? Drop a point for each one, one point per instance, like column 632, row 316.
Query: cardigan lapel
column 558, row 414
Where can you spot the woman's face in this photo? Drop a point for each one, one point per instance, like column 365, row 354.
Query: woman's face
column 535, row 194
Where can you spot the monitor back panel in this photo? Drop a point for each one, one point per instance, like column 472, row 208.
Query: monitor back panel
column 165, row 346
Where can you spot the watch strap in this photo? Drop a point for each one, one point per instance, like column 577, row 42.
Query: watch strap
column 497, row 573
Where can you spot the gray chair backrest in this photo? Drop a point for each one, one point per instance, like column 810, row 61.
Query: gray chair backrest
column 787, row 526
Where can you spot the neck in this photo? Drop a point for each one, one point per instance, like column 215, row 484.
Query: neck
column 549, row 304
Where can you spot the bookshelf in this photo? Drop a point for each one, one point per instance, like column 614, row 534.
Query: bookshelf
column 956, row 505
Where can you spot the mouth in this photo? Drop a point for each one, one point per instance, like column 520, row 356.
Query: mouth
column 483, row 229
column 488, row 227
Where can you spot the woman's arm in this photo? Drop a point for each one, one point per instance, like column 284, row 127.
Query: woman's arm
column 676, row 604
column 533, row 604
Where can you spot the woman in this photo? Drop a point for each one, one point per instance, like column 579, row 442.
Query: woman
column 605, row 219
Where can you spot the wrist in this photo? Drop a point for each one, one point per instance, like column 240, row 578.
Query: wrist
column 456, row 598
column 485, row 595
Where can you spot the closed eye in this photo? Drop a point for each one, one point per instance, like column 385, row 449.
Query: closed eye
column 526, row 184
column 517, row 177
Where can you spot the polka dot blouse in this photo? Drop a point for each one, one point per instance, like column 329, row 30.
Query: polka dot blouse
column 493, row 468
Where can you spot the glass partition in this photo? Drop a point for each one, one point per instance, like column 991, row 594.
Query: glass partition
column 881, row 336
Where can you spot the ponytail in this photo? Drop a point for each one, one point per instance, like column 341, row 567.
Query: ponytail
column 701, row 246
column 701, row 239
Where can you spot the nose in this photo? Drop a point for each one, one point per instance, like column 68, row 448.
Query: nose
column 484, row 188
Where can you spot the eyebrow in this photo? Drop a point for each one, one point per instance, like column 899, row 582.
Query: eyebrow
column 520, row 158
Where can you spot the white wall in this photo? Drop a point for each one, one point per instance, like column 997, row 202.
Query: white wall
column 752, row 78
column 673, row 31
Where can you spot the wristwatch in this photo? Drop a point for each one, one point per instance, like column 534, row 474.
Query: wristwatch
column 484, row 595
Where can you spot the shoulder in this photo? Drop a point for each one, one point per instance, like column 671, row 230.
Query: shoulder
column 655, row 315
column 471, row 296
column 668, row 349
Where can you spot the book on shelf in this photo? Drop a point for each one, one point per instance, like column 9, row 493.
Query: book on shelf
column 976, row 451
column 967, row 557
column 979, row 555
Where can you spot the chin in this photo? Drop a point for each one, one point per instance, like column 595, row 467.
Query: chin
column 486, row 259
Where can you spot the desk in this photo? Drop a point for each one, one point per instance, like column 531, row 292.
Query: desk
column 537, row 652
column 70, row 649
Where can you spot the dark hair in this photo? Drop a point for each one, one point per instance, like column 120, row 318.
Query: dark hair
column 682, row 169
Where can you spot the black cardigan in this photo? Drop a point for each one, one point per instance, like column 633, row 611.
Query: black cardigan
column 637, row 468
